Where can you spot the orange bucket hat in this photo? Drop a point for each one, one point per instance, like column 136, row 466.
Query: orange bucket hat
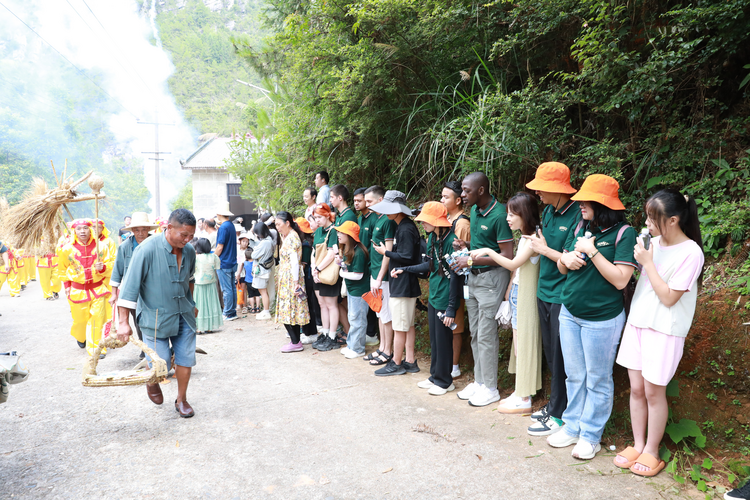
column 304, row 225
column 552, row 177
column 602, row 189
column 349, row 228
column 435, row 214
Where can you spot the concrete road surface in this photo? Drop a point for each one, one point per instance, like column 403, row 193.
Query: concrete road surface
column 268, row 425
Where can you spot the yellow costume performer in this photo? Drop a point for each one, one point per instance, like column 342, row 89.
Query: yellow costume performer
column 48, row 278
column 11, row 273
column 83, row 273
column 111, row 255
column 20, row 267
column 30, row 268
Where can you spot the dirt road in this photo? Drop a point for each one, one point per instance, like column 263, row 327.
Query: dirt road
column 267, row 425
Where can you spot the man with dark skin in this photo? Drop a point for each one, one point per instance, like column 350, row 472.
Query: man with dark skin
column 486, row 284
column 155, row 283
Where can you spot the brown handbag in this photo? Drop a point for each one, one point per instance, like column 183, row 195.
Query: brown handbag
column 329, row 275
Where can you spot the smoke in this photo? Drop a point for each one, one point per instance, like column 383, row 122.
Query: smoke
column 115, row 43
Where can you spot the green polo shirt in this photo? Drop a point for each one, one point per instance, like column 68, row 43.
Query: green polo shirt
column 383, row 229
column 489, row 227
column 586, row 294
column 366, row 224
column 359, row 265
column 345, row 215
column 440, row 286
column 556, row 225
column 330, row 236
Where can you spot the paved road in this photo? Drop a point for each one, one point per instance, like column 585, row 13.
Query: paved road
column 268, row 425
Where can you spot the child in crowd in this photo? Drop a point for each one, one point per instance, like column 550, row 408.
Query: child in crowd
column 242, row 242
column 526, row 356
column 354, row 262
column 598, row 263
column 660, row 316
column 445, row 290
column 252, row 294
column 264, row 263
column 206, row 293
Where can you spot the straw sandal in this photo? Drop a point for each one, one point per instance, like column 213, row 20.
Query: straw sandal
column 630, row 454
column 649, row 461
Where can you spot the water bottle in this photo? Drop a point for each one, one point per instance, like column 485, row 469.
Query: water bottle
column 441, row 315
column 588, row 236
column 646, row 238
column 537, row 231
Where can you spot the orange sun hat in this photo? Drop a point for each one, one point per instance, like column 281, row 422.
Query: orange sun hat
column 601, row 189
column 435, row 214
column 552, row 177
column 349, row 228
column 304, row 225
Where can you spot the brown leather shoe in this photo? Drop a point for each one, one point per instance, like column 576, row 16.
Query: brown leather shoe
column 154, row 393
column 184, row 409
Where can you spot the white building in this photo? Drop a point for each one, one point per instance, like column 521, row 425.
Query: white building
column 213, row 184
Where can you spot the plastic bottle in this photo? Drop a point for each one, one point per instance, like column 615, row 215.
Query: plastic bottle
column 441, row 315
column 588, row 236
column 646, row 237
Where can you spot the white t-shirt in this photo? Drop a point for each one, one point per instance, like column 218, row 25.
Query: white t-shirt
column 523, row 243
column 679, row 266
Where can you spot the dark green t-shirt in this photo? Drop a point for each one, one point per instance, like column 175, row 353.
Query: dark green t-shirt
column 366, row 224
column 440, row 284
column 306, row 253
column 383, row 230
column 359, row 265
column 489, row 227
column 345, row 215
column 586, row 293
column 321, row 234
column 556, row 225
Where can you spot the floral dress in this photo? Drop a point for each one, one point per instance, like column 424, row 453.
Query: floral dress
column 290, row 310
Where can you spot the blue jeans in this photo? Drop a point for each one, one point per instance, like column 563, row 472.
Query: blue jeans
column 183, row 345
column 229, row 290
column 355, row 340
column 513, row 296
column 589, row 349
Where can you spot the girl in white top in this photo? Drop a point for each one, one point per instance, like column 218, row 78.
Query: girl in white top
column 660, row 317
column 526, row 357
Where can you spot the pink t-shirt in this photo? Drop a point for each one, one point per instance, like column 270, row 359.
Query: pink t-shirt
column 679, row 266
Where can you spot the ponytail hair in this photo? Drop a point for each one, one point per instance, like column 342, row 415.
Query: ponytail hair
column 671, row 203
column 324, row 210
column 287, row 217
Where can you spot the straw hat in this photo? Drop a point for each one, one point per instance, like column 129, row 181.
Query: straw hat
column 394, row 202
column 435, row 214
column 552, row 177
column 602, row 189
column 349, row 228
column 224, row 210
column 304, row 225
column 140, row 219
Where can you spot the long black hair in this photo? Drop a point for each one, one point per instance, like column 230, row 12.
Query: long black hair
column 671, row 203
column 605, row 217
column 287, row 217
column 525, row 206
column 261, row 230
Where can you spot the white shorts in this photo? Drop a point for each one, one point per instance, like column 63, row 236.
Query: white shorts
column 403, row 310
column 385, row 311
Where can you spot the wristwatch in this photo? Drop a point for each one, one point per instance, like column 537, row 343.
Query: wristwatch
column 469, row 262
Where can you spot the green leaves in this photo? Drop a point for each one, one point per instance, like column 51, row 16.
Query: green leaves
column 686, row 428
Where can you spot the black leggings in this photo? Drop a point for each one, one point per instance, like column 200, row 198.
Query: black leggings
column 293, row 332
column 441, row 346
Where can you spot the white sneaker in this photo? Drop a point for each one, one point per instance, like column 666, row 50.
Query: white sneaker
column 456, row 373
column 468, row 391
column 425, row 384
column 266, row 314
column 307, row 339
column 352, row 354
column 436, row 390
column 584, row 450
column 371, row 340
column 515, row 404
column 344, row 350
column 513, row 395
column 561, row 439
column 484, row 397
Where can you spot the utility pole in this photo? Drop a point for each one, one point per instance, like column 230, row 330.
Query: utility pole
column 156, row 153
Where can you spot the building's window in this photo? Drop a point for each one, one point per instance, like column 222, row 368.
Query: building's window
column 233, row 190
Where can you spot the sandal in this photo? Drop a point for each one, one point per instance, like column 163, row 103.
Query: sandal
column 653, row 463
column 630, row 454
column 373, row 355
column 381, row 360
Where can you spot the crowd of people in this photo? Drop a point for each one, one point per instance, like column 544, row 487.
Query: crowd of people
column 341, row 281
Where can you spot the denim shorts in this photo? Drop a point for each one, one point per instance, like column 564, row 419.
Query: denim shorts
column 182, row 344
column 513, row 296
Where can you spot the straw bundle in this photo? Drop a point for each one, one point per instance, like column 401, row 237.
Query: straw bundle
column 33, row 224
column 156, row 374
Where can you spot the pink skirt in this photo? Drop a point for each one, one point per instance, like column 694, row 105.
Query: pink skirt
column 655, row 354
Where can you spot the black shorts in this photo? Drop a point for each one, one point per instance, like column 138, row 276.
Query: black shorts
column 242, row 280
column 252, row 292
column 329, row 290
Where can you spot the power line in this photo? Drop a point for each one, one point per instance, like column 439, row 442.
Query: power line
column 117, row 46
column 69, row 61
